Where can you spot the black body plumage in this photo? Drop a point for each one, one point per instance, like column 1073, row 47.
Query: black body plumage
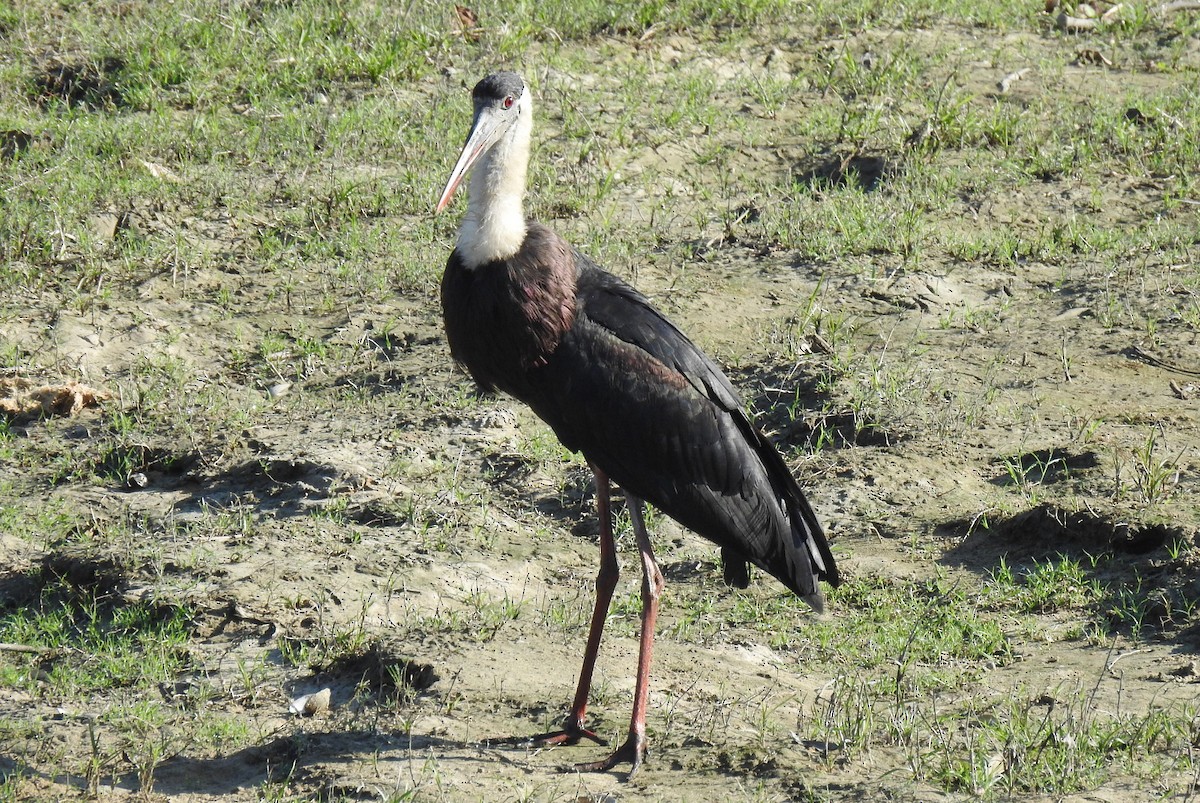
column 617, row 381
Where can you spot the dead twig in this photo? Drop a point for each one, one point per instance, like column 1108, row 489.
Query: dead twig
column 1139, row 353
column 1007, row 81
column 1066, row 22
column 1113, row 662
column 1075, row 24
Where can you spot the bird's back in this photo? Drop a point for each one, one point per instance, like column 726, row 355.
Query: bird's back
column 617, row 381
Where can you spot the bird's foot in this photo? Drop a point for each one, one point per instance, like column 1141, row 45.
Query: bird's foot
column 572, row 732
column 633, row 751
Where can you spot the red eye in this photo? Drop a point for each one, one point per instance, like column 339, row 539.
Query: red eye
column 508, row 102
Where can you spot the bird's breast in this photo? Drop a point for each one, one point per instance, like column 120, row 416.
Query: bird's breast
column 506, row 318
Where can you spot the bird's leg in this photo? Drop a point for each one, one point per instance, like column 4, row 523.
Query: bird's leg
column 606, row 582
column 634, row 748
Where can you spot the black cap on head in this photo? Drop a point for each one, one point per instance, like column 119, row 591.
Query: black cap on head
column 499, row 85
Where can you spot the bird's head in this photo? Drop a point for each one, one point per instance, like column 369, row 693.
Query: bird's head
column 503, row 112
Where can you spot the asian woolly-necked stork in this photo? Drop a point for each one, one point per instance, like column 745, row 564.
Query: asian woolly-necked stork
column 527, row 314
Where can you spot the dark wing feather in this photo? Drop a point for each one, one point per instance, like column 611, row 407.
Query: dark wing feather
column 631, row 316
column 651, row 410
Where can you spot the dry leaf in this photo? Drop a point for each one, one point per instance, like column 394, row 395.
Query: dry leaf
column 20, row 399
column 466, row 17
column 468, row 22
column 161, row 172
column 1108, row 16
column 1089, row 56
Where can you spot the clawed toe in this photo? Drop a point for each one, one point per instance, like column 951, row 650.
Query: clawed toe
column 632, row 751
column 571, row 733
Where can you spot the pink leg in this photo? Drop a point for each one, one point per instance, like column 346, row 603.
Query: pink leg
column 606, row 582
column 634, row 748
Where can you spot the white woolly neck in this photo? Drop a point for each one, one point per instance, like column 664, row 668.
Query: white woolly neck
column 494, row 224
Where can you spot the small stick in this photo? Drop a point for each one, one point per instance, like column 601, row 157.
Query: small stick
column 1113, row 662
column 1066, row 360
column 1075, row 24
column 1179, row 5
column 1008, row 80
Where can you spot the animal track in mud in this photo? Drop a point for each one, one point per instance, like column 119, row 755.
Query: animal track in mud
column 279, row 486
column 837, row 430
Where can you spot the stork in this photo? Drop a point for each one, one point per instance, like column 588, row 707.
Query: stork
column 529, row 315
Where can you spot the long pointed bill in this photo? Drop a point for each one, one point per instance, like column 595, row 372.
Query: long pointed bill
column 486, row 130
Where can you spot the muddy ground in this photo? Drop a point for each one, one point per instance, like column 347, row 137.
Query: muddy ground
column 366, row 524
